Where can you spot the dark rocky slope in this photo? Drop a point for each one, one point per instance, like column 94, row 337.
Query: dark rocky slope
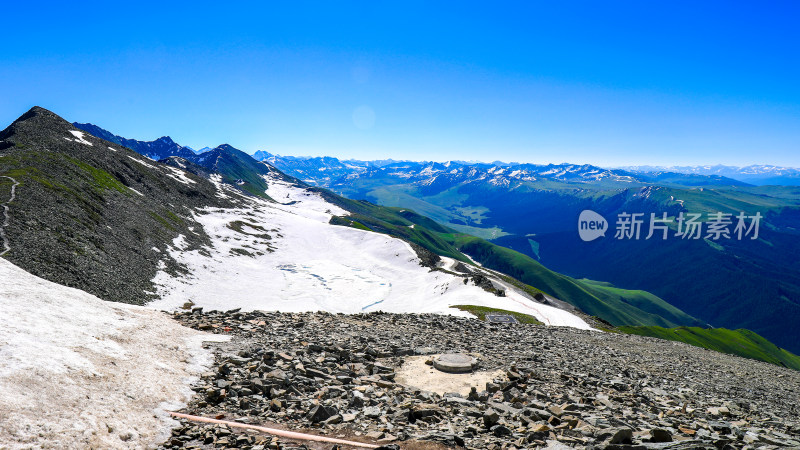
column 97, row 217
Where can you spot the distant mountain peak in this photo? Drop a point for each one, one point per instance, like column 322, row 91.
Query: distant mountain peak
column 158, row 149
column 165, row 139
column 261, row 155
column 226, row 148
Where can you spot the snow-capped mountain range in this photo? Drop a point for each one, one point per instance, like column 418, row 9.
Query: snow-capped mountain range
column 330, row 172
column 321, row 170
column 759, row 174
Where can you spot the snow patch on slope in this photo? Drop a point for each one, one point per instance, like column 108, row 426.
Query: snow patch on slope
column 79, row 372
column 150, row 166
column 286, row 257
column 79, row 137
column 178, row 175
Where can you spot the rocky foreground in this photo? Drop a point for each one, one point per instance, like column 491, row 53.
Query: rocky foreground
column 337, row 375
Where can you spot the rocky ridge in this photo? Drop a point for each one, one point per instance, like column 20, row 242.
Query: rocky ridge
column 161, row 148
column 92, row 214
column 337, row 375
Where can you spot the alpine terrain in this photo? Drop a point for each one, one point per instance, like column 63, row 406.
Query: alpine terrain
column 534, row 210
column 139, row 279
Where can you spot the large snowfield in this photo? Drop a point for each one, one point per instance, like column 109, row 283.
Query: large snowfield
column 80, row 372
column 296, row 261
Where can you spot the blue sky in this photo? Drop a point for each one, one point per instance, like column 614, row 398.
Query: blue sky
column 608, row 83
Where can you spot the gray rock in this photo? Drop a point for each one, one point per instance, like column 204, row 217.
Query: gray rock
column 372, row 412
column 321, row 413
column 660, row 435
column 490, row 418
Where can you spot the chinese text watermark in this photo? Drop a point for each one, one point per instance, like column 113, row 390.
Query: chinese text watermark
column 635, row 226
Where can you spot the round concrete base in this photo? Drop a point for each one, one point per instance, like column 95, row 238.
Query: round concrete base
column 455, row 363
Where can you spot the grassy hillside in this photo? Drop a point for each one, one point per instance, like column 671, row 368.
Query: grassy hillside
column 465, row 220
column 615, row 305
column 741, row 342
column 481, row 311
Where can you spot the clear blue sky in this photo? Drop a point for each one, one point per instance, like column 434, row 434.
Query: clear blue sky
column 607, row 83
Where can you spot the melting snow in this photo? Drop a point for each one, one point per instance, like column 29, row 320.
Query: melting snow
column 286, row 257
column 79, row 137
column 222, row 188
column 141, row 162
column 79, row 372
column 178, row 175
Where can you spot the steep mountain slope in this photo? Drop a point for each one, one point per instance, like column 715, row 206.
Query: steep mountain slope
column 161, row 148
column 234, row 166
column 467, row 182
column 617, row 306
column 752, row 284
column 177, row 230
column 92, row 214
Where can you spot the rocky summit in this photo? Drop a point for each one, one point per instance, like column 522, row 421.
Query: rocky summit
column 549, row 387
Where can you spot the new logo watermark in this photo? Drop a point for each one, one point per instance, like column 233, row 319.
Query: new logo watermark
column 630, row 226
column 591, row 225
